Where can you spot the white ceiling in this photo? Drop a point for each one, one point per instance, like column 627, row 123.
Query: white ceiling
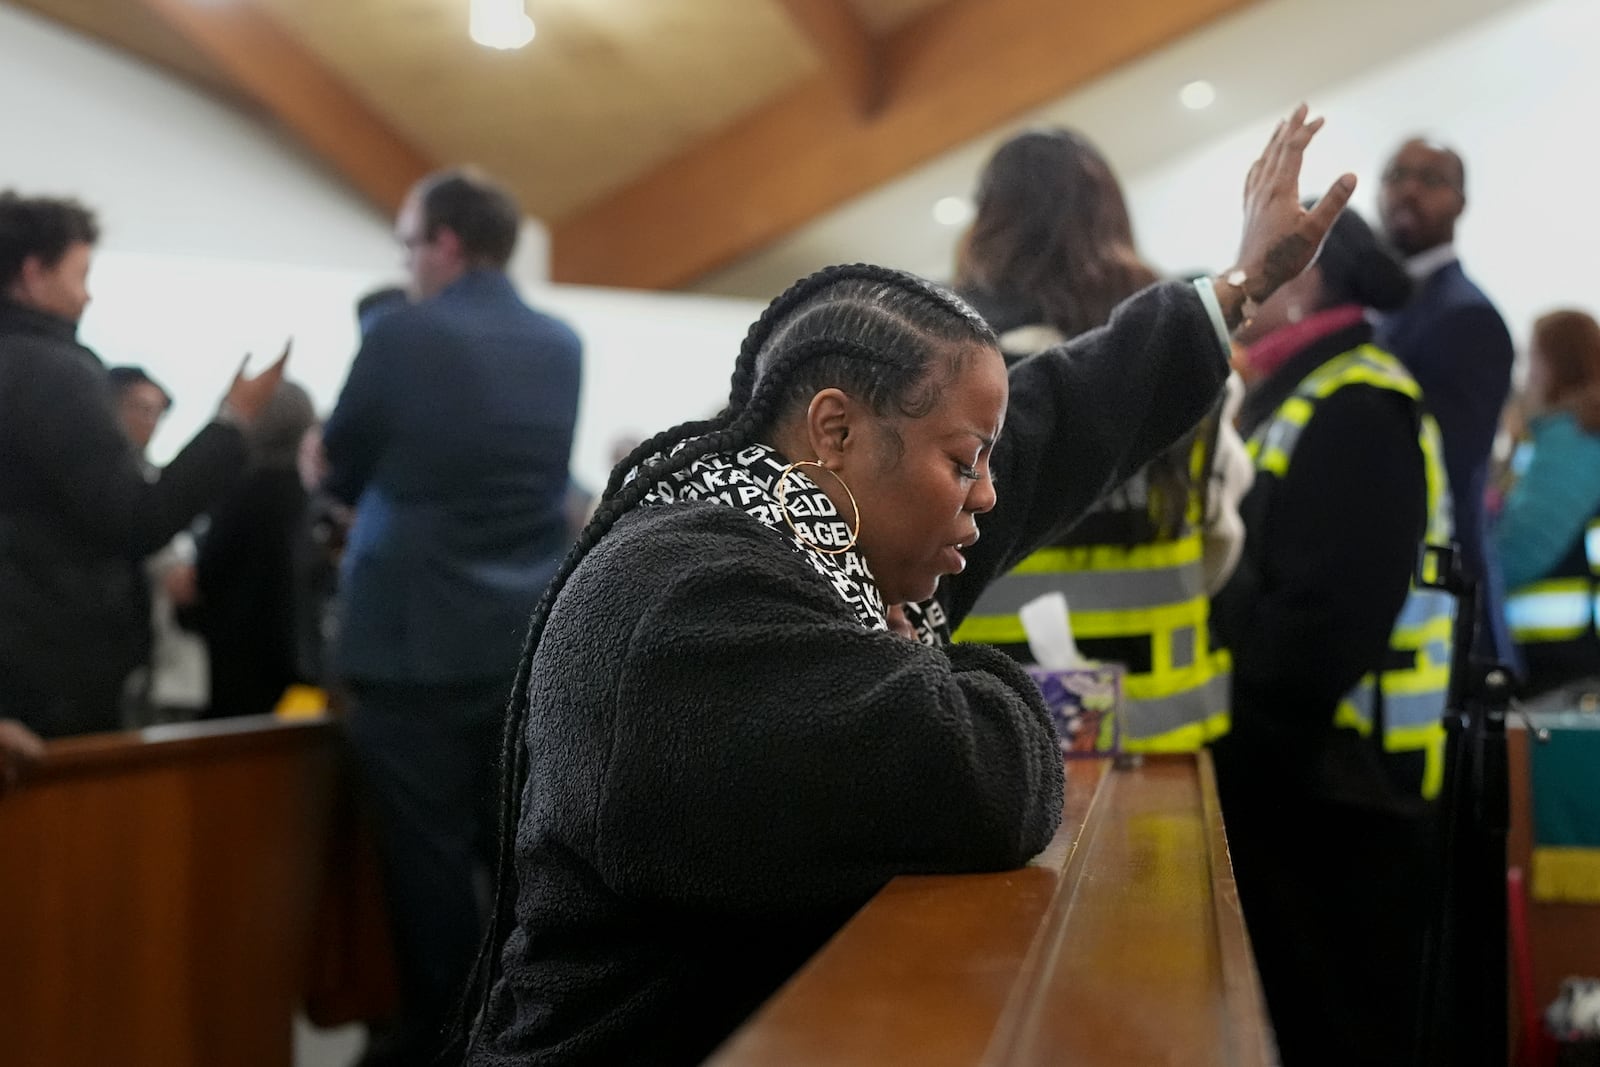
column 1261, row 61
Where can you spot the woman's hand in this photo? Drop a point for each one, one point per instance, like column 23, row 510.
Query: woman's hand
column 182, row 585
column 20, row 748
column 247, row 397
column 1281, row 237
column 898, row 623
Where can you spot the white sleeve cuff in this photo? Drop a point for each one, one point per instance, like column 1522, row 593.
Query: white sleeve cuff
column 1208, row 296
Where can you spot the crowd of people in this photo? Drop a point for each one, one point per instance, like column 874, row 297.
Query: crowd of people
column 775, row 665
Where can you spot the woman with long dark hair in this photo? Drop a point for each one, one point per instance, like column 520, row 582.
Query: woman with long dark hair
column 1049, row 255
column 1547, row 538
column 717, row 748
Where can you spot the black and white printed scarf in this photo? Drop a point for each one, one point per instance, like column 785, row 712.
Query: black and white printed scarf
column 748, row 480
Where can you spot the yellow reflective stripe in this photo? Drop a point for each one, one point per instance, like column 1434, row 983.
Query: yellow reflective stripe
column 1433, row 762
column 1274, row 461
column 990, row 630
column 1434, row 678
column 1428, row 738
column 1162, row 555
column 1159, row 624
column 1557, row 609
column 1411, row 738
column 1190, row 738
column 1441, row 518
column 1365, row 365
column 1141, row 621
column 1438, row 627
column 1357, row 375
column 1157, row 685
column 1198, row 456
column 1591, row 546
column 1296, row 411
column 1346, row 715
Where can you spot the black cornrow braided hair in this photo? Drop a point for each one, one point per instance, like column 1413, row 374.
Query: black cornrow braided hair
column 755, row 396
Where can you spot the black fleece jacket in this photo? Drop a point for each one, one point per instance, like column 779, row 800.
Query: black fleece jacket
column 77, row 515
column 724, row 765
column 1329, row 553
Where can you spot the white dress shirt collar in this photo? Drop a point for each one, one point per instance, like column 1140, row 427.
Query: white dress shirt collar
column 1423, row 265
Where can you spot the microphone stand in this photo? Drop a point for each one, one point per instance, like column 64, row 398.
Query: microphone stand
column 1465, row 994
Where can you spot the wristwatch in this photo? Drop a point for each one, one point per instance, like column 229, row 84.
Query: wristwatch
column 1237, row 278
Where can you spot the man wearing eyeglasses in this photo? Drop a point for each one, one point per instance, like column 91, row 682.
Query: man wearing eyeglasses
column 1454, row 342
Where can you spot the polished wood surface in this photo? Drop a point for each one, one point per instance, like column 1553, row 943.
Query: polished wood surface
column 1563, row 939
column 845, row 43
column 604, row 93
column 1121, row 944
column 156, row 893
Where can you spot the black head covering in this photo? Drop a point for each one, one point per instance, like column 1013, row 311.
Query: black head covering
column 124, row 377
column 1357, row 268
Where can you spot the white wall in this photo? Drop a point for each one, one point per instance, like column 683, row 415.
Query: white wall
column 650, row 359
column 221, row 238
column 1512, row 83
column 1515, row 95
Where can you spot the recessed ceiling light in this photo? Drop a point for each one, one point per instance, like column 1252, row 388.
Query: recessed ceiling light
column 1198, row 95
column 502, row 24
column 952, row 211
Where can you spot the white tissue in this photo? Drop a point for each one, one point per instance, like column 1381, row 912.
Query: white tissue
column 1049, row 629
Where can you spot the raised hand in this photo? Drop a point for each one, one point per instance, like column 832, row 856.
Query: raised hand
column 248, row 397
column 1281, row 237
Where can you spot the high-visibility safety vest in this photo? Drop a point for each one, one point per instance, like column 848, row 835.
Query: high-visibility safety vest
column 1408, row 700
column 1556, row 620
column 1150, row 597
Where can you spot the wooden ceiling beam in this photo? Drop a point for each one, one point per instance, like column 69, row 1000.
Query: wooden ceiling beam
column 847, row 48
column 273, row 69
column 962, row 69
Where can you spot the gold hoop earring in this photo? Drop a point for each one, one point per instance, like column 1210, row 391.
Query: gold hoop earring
column 783, row 492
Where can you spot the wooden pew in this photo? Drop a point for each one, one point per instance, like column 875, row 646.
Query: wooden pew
column 1121, row 944
column 156, row 893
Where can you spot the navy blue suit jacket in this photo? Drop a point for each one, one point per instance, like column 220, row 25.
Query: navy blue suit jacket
column 1457, row 347
column 452, row 437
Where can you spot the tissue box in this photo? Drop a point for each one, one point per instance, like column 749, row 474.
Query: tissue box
column 1082, row 703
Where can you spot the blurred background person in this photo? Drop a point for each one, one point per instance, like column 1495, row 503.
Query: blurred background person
column 173, row 684
column 245, row 583
column 1328, row 817
column 1454, row 342
column 372, row 307
column 78, row 510
column 452, row 438
column 1049, row 255
column 1547, row 539
column 142, row 402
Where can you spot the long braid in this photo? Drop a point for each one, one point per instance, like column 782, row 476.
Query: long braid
column 755, row 396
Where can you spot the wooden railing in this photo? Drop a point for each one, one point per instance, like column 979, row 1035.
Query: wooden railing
column 156, row 895
column 1121, row 944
